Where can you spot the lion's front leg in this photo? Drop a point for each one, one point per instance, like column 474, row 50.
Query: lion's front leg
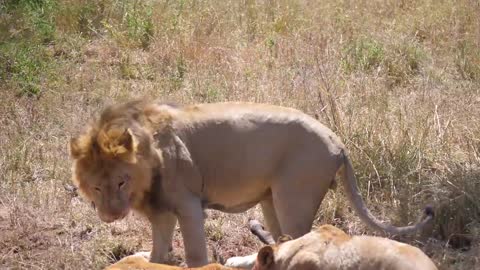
column 191, row 222
column 163, row 225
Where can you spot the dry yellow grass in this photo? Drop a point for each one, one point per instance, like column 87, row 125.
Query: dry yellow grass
column 399, row 81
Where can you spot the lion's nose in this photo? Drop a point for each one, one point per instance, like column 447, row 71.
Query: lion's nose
column 114, row 215
column 107, row 219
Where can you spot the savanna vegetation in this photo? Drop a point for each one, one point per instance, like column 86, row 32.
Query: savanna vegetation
column 399, row 81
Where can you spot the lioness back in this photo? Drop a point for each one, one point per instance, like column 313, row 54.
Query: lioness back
column 135, row 262
column 384, row 253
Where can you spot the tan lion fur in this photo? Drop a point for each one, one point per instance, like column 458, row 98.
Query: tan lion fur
column 135, row 262
column 329, row 248
column 169, row 163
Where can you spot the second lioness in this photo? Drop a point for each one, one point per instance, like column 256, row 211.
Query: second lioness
column 170, row 163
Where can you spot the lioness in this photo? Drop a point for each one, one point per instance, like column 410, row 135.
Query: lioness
column 139, row 262
column 329, row 248
column 169, row 163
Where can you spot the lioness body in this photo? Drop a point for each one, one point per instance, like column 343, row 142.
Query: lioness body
column 137, row 262
column 225, row 156
column 329, row 248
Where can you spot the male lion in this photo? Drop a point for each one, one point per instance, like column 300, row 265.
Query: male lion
column 169, row 163
column 329, row 248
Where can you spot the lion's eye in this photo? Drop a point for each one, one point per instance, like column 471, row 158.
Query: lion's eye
column 121, row 184
column 124, row 179
column 98, row 189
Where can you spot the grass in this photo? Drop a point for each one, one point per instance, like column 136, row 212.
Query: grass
column 397, row 80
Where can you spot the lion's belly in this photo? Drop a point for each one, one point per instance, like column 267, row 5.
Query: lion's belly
column 238, row 168
column 228, row 207
column 235, row 195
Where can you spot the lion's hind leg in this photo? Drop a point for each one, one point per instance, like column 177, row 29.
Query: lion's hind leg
column 296, row 217
column 298, row 193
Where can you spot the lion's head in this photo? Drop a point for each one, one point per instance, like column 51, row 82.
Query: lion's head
column 112, row 163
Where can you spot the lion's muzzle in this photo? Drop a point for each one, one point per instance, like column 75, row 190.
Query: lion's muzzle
column 111, row 217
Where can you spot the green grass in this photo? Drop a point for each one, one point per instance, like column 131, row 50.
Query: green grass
column 363, row 55
column 467, row 60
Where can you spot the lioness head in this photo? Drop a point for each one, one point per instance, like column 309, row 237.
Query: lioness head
column 267, row 258
column 112, row 165
column 300, row 253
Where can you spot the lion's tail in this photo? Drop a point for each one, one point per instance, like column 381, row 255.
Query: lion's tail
column 354, row 195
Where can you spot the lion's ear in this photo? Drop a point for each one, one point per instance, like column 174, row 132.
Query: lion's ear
column 120, row 143
column 265, row 257
column 80, row 146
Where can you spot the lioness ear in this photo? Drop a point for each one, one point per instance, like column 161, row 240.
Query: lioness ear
column 79, row 146
column 119, row 143
column 265, row 257
column 284, row 238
